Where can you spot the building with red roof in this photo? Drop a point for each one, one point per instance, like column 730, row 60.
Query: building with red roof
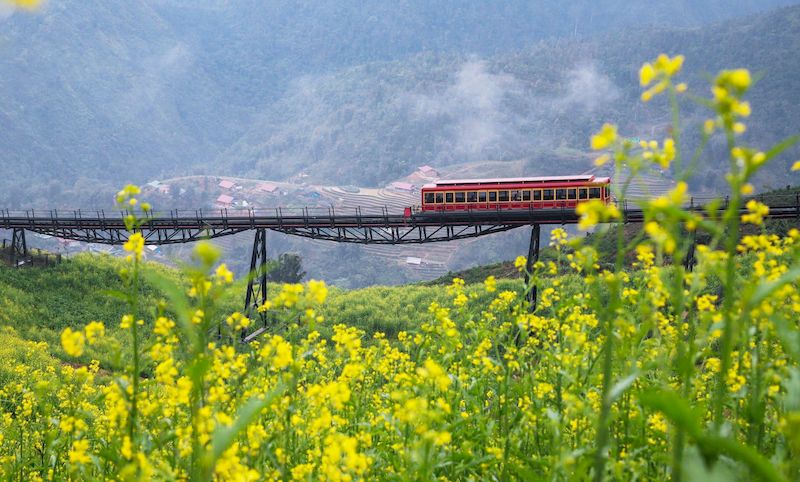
column 225, row 200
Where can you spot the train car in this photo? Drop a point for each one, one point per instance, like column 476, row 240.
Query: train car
column 514, row 193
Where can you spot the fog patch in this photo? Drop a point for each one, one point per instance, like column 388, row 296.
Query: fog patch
column 588, row 89
column 472, row 108
column 149, row 89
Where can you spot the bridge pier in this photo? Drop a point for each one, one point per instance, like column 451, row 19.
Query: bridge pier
column 257, row 285
column 689, row 261
column 533, row 257
column 19, row 247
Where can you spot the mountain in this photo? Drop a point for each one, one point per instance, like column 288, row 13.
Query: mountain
column 94, row 94
column 374, row 122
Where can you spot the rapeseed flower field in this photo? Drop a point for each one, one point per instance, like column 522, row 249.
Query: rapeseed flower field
column 660, row 370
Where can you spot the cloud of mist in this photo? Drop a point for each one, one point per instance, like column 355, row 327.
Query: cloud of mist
column 472, row 108
column 150, row 87
column 472, row 112
column 588, row 89
column 482, row 115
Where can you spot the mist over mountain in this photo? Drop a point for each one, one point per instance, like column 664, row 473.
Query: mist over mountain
column 374, row 122
column 94, row 94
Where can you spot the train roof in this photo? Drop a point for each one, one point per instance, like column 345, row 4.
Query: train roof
column 519, row 180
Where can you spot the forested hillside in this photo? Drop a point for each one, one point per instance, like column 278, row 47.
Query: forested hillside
column 374, row 122
column 94, row 94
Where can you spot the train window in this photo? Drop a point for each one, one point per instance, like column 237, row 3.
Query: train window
column 548, row 194
column 472, row 197
column 526, row 195
column 429, row 196
column 561, row 194
column 571, row 193
column 448, row 197
column 594, row 193
column 492, row 196
column 439, row 198
column 537, row 195
column 461, row 197
column 516, row 196
column 482, row 197
column 582, row 193
column 503, row 196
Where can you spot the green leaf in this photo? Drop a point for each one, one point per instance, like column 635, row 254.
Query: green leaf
column 782, row 146
column 178, row 301
column 765, row 290
column 681, row 414
column 224, row 438
column 622, row 385
column 117, row 294
column 675, row 408
column 757, row 463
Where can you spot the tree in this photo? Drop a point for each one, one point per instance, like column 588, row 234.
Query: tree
column 288, row 268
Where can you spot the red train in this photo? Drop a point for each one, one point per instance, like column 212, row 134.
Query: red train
column 514, row 193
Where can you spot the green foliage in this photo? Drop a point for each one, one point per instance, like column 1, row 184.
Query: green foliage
column 288, row 268
column 15, row 351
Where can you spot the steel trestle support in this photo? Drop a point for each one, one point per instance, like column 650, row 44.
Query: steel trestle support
column 533, row 257
column 689, row 261
column 19, row 247
column 257, row 284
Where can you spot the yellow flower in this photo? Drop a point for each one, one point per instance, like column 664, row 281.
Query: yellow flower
column 646, row 74
column 163, row 326
column 739, row 78
column 26, row 4
column 558, row 237
column 606, row 137
column 127, row 448
column 318, row 291
column 602, row 160
column 94, row 331
column 198, row 317
column 433, row 371
column 126, row 322
column 595, row 211
column 660, row 236
column 520, row 263
column 77, row 453
column 491, row 284
column 442, row 438
column 223, row 274
column 796, row 166
column 135, row 245
column 72, row 342
column 206, row 253
column 669, row 152
column 660, row 71
column 278, row 352
column 756, row 212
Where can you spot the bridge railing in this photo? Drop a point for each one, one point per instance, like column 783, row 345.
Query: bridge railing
column 778, row 200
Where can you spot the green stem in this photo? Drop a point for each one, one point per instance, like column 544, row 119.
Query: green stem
column 135, row 335
column 729, row 321
column 603, row 434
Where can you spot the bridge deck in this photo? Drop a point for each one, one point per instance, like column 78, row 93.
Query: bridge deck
column 352, row 225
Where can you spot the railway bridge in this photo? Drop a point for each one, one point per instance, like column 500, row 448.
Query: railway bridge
column 356, row 225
